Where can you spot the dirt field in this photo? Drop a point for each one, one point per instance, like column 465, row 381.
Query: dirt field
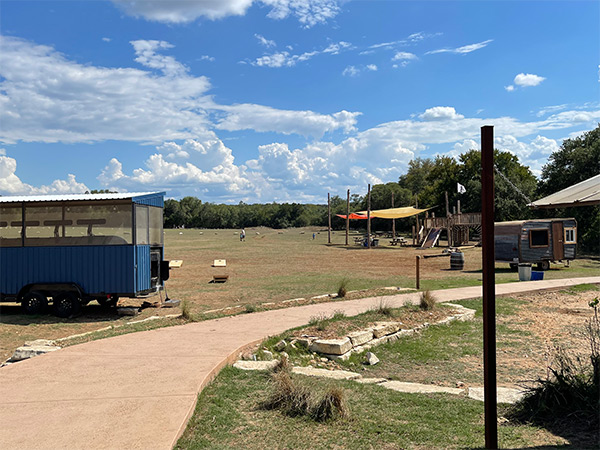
column 270, row 265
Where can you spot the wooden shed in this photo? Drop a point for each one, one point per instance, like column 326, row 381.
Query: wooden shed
column 538, row 241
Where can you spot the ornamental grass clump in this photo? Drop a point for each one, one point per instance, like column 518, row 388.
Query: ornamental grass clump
column 343, row 287
column 331, row 406
column 428, row 301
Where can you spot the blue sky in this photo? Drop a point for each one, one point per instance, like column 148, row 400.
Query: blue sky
column 282, row 100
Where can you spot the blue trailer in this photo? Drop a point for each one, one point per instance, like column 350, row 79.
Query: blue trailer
column 72, row 249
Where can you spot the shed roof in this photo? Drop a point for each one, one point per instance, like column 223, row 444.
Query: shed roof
column 86, row 197
column 581, row 194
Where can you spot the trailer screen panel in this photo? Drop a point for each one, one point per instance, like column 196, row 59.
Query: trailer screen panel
column 142, row 225
column 11, row 225
column 156, row 226
column 110, row 224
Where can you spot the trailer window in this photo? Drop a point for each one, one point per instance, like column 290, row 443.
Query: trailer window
column 43, row 225
column 11, row 224
column 570, row 235
column 156, row 225
column 141, row 225
column 98, row 225
column 538, row 238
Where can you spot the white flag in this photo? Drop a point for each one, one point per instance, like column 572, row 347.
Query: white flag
column 461, row 189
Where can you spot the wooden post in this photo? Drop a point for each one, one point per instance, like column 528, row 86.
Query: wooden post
column 458, row 207
column 329, row 218
column 418, row 260
column 413, row 234
column 347, row 215
column 369, row 217
column 418, row 224
column 447, row 204
column 489, row 287
column 393, row 221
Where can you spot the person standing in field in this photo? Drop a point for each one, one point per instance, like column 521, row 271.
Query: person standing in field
column 242, row 235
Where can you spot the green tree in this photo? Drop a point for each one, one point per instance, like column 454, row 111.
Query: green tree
column 576, row 160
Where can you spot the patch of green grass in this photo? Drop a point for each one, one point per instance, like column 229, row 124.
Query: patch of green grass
column 574, row 290
column 228, row 416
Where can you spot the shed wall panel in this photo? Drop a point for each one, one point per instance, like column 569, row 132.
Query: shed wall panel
column 96, row 269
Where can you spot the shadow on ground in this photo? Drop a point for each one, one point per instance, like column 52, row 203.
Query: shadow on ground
column 11, row 314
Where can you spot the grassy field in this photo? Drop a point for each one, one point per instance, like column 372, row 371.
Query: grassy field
column 270, row 266
column 229, row 412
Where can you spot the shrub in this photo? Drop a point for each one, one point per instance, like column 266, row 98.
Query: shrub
column 186, row 312
column 331, row 406
column 427, row 301
column 319, row 322
column 338, row 314
column 287, row 396
column 384, row 308
column 250, row 308
column 343, row 287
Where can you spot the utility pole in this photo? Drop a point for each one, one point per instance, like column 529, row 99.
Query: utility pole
column 489, row 287
column 393, row 221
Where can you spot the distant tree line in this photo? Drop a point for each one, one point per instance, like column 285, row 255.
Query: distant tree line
column 426, row 182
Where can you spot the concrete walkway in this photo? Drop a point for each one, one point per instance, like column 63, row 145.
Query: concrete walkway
column 138, row 390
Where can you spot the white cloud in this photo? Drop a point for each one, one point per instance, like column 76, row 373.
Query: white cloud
column 207, row 58
column 146, row 54
column 350, row 71
column 285, row 59
column 528, row 79
column 402, row 56
column 264, row 118
column 264, row 41
column 105, row 39
column 441, row 113
column 509, row 88
column 550, row 109
column 461, row 50
column 308, row 12
column 371, row 67
column 11, row 184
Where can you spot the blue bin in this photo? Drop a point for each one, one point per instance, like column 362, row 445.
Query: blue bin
column 537, row 275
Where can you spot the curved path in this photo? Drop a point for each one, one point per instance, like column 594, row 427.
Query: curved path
column 138, row 390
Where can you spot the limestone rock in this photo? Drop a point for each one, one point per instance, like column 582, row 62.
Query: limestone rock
column 30, row 351
column 417, row 388
column 280, row 345
column 335, row 374
column 371, row 359
column 503, row 395
column 267, row 355
column 360, row 337
column 384, row 328
column 255, row 365
column 331, row 346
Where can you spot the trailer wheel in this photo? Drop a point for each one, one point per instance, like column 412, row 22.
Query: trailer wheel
column 34, row 303
column 543, row 265
column 108, row 302
column 66, row 304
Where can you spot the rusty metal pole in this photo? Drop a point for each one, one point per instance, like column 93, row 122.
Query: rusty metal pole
column 369, row 218
column 329, row 219
column 489, row 286
column 418, row 259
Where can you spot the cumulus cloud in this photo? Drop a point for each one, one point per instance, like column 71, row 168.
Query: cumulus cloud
column 403, row 56
column 264, row 118
column 308, row 12
column 264, row 41
column 440, row 113
column 509, row 88
column 11, row 184
column 528, row 79
column 461, row 50
column 350, row 71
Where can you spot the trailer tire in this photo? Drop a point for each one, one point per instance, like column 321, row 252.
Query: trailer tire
column 66, row 304
column 543, row 265
column 34, row 303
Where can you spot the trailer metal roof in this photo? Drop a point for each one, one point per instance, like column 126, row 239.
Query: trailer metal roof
column 86, row 197
column 581, row 194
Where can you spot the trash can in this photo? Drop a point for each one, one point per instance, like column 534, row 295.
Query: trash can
column 537, row 275
column 524, row 272
column 457, row 261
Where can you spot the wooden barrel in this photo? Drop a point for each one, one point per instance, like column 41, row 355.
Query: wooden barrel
column 457, row 261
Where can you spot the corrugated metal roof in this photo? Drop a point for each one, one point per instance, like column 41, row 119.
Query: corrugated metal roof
column 67, row 197
column 581, row 194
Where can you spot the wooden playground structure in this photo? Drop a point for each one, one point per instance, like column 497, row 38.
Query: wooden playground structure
column 460, row 229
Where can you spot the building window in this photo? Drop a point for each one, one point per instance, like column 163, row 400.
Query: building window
column 538, row 238
column 570, row 235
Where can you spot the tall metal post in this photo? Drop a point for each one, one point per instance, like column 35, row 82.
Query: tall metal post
column 393, row 221
column 329, row 218
column 347, row 215
column 489, row 287
column 369, row 217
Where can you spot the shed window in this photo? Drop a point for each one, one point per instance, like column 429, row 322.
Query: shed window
column 570, row 235
column 538, row 238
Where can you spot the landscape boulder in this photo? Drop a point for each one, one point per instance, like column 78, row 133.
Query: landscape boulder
column 331, row 346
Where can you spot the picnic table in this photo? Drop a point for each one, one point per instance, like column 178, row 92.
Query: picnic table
column 398, row 240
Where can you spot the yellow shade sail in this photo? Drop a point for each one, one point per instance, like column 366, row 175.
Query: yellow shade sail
column 395, row 213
